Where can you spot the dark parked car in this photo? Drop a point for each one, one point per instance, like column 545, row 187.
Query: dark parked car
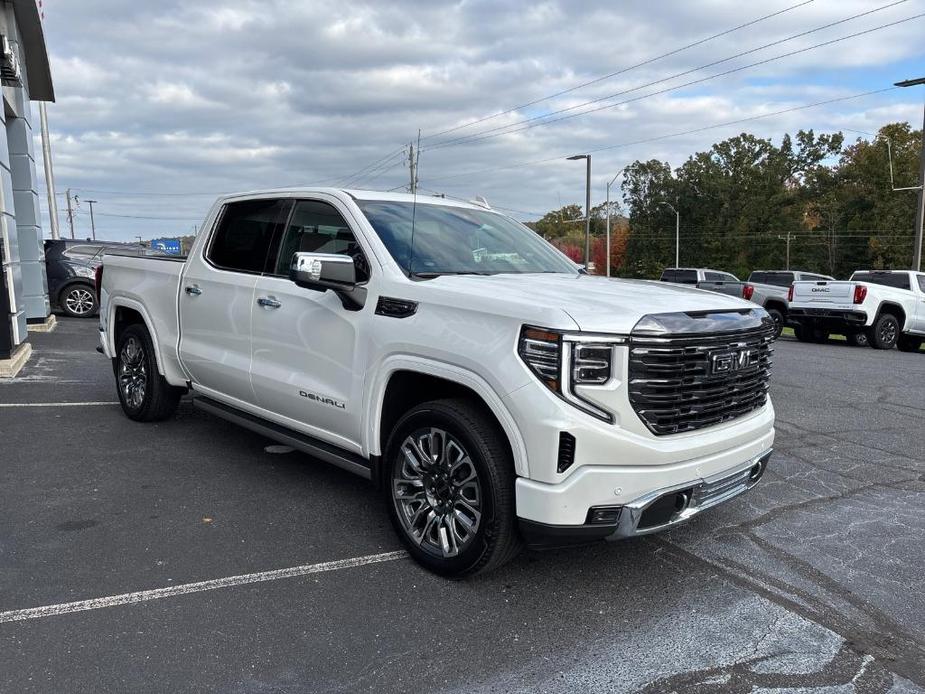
column 71, row 264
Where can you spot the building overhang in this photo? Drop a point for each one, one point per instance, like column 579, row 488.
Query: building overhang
column 34, row 53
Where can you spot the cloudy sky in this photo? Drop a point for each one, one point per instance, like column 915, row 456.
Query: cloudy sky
column 162, row 105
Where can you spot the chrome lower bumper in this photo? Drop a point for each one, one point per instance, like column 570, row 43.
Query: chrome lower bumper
column 665, row 508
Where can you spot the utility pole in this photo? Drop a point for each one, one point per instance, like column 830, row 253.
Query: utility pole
column 788, row 248
column 49, row 174
column 70, row 212
column 608, row 220
column 587, row 158
column 92, row 223
column 412, row 168
column 920, row 207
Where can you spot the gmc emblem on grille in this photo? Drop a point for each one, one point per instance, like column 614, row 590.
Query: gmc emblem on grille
column 728, row 362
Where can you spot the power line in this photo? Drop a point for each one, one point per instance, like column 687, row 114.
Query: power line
column 546, row 119
column 649, row 61
column 135, row 216
column 657, row 138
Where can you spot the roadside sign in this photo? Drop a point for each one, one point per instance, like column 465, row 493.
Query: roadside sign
column 168, row 246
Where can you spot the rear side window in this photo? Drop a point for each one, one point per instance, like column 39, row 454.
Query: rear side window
column 245, row 233
column 922, row 282
column 898, row 280
column 680, row 276
column 776, row 279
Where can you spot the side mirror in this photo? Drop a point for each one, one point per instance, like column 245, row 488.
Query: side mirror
column 321, row 271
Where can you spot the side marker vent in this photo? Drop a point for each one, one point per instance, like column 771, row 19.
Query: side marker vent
column 566, row 451
column 395, row 308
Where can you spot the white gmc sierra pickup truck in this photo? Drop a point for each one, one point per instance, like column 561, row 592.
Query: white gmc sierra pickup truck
column 495, row 393
column 882, row 308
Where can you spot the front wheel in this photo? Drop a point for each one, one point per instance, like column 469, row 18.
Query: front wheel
column 884, row 333
column 450, row 488
column 144, row 394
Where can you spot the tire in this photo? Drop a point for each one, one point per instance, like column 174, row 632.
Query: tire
column 884, row 333
column 779, row 321
column 858, row 339
column 78, row 301
column 456, row 516
column 819, row 336
column 908, row 343
column 144, row 394
column 803, row 333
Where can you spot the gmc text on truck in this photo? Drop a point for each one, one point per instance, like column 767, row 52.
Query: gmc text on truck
column 495, row 393
column 882, row 308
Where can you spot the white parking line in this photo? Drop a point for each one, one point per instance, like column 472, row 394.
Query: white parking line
column 187, row 588
column 55, row 404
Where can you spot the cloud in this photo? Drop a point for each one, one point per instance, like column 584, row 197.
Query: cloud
column 215, row 96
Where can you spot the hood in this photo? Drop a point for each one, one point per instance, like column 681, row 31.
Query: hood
column 596, row 304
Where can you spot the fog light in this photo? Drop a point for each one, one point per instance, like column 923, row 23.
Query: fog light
column 604, row 515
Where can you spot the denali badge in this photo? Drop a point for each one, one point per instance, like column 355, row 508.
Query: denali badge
column 323, row 400
column 727, row 362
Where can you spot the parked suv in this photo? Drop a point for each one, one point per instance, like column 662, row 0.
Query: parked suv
column 770, row 289
column 494, row 392
column 704, row 278
column 70, row 265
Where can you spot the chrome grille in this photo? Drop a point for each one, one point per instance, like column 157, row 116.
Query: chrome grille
column 684, row 382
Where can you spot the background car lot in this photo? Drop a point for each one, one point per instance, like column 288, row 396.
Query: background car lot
column 812, row 580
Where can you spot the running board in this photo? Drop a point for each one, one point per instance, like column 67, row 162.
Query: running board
column 307, row 444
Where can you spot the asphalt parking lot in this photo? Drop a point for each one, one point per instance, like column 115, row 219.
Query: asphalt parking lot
column 814, row 581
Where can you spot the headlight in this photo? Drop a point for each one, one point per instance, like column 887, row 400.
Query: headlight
column 563, row 360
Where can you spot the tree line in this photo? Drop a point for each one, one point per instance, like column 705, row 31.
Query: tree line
column 744, row 199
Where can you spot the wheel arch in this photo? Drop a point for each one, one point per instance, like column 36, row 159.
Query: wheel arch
column 778, row 304
column 896, row 310
column 403, row 383
column 124, row 312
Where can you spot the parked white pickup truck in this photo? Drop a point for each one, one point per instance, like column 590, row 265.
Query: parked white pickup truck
column 771, row 289
column 493, row 391
column 882, row 308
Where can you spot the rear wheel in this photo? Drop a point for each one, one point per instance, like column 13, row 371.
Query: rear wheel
column 909, row 343
column 78, row 301
column 857, row 339
column 884, row 333
column 144, row 394
column 450, row 488
column 778, row 319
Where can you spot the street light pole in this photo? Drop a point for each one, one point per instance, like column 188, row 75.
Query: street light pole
column 608, row 220
column 920, row 207
column 677, row 233
column 92, row 223
column 587, row 157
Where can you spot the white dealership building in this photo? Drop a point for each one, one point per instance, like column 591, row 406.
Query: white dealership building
column 25, row 76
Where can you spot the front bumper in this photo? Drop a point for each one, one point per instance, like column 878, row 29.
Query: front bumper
column 652, row 512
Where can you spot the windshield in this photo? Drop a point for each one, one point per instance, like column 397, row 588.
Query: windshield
column 459, row 240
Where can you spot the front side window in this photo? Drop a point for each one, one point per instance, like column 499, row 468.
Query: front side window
column 317, row 227
column 714, row 276
column 245, row 234
column 922, row 282
column 427, row 239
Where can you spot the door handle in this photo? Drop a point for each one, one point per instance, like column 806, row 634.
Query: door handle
column 193, row 290
column 268, row 302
